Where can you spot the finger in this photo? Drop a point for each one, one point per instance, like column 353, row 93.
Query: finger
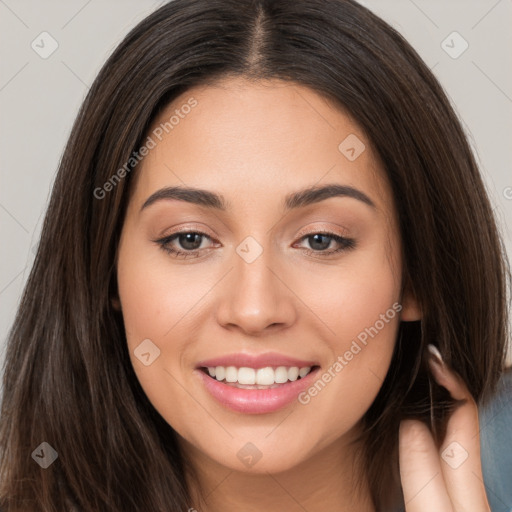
column 420, row 470
column 460, row 452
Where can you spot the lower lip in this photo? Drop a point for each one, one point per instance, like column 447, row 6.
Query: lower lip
column 256, row 401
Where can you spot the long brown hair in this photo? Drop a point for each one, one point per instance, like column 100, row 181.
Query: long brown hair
column 68, row 380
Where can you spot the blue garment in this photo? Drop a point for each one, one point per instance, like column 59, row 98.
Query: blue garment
column 496, row 446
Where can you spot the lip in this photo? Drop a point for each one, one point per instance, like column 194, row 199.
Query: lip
column 256, row 401
column 255, row 361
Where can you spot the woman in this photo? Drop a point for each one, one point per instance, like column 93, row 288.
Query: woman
column 269, row 278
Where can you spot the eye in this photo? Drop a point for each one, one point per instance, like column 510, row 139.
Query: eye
column 322, row 240
column 190, row 241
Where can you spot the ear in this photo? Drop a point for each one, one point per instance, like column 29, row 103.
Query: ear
column 411, row 310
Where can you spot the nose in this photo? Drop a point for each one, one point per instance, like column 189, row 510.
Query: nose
column 256, row 297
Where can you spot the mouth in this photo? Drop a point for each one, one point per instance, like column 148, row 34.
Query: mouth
column 257, row 378
column 250, row 390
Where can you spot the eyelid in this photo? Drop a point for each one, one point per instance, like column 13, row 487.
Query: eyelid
column 188, row 229
column 327, row 230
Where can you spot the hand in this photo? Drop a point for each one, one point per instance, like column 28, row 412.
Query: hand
column 431, row 482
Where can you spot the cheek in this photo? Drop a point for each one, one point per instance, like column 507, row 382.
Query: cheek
column 154, row 301
column 150, row 311
column 354, row 296
column 368, row 310
column 155, row 296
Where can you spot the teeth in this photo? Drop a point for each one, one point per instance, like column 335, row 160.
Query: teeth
column 246, row 376
column 267, row 376
column 281, row 375
column 220, row 372
column 231, row 374
column 302, row 372
column 293, row 373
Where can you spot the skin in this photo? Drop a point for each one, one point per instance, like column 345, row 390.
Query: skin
column 254, row 143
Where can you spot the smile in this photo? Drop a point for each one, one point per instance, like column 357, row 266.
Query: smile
column 260, row 390
column 257, row 378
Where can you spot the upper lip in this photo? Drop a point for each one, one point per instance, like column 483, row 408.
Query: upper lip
column 255, row 360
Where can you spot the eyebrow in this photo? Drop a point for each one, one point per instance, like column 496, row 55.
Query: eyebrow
column 298, row 199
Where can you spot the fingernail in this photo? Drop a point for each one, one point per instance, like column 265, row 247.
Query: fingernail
column 436, row 364
column 436, row 355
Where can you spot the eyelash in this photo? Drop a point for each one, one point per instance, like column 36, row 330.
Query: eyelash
column 345, row 244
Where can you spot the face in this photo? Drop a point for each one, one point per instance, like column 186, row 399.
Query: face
column 260, row 319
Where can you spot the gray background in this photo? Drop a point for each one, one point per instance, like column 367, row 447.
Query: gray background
column 40, row 97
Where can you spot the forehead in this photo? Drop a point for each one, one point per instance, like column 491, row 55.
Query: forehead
column 255, row 141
